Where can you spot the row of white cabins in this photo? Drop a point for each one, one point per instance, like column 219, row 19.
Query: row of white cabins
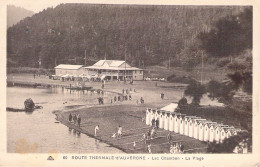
column 191, row 126
column 109, row 69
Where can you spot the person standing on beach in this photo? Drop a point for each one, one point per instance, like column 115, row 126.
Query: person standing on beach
column 96, row 129
column 149, row 148
column 115, row 99
column 148, row 134
column 169, row 137
column 123, row 91
column 152, row 133
column 75, row 119
column 79, row 120
column 119, row 132
column 144, row 138
column 157, row 123
column 70, row 118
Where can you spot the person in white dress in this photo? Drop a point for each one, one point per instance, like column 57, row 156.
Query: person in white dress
column 96, row 129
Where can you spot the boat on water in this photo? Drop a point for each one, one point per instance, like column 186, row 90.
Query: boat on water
column 29, row 104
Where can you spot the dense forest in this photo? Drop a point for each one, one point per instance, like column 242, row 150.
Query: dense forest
column 15, row 14
column 145, row 35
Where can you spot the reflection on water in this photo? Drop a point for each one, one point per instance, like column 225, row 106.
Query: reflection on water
column 39, row 127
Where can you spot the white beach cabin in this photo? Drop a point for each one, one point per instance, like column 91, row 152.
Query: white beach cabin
column 152, row 115
column 218, row 130
column 148, row 116
column 177, row 122
column 166, row 120
column 186, row 124
column 191, row 126
column 207, row 130
column 196, row 124
column 171, row 122
column 161, row 120
column 182, row 124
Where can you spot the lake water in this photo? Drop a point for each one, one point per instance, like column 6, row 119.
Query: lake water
column 39, row 132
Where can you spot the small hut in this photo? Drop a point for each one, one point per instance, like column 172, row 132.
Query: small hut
column 207, row 130
column 152, row 116
column 218, row 130
column 196, row 124
column 161, row 120
column 177, row 122
column 191, row 126
column 166, row 120
column 148, row 116
column 171, row 122
column 224, row 133
column 182, row 124
column 186, row 124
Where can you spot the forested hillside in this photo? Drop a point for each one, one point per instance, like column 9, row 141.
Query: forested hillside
column 147, row 35
column 15, row 14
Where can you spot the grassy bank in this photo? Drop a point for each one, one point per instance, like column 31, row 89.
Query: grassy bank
column 129, row 117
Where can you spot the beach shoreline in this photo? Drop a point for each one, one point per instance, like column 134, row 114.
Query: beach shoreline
column 128, row 114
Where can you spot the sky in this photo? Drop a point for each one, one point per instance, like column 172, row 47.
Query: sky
column 34, row 5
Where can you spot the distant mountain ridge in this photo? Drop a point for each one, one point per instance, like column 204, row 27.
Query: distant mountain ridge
column 16, row 14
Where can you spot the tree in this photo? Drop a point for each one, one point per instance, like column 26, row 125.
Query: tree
column 182, row 102
column 230, row 36
column 195, row 90
column 242, row 80
column 223, row 93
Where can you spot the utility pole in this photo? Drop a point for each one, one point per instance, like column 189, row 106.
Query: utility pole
column 55, row 62
column 201, row 76
column 169, row 63
column 125, row 68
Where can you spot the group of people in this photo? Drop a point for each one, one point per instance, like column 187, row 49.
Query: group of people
column 151, row 134
column 121, row 98
column 75, row 118
column 100, row 100
column 155, row 123
column 119, row 132
column 176, row 148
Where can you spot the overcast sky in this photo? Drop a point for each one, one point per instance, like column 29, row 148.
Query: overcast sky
column 34, row 5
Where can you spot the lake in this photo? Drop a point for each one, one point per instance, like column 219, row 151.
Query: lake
column 40, row 132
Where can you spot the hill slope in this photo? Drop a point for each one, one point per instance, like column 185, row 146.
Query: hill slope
column 147, row 35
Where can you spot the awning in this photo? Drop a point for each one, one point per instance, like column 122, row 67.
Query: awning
column 171, row 107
